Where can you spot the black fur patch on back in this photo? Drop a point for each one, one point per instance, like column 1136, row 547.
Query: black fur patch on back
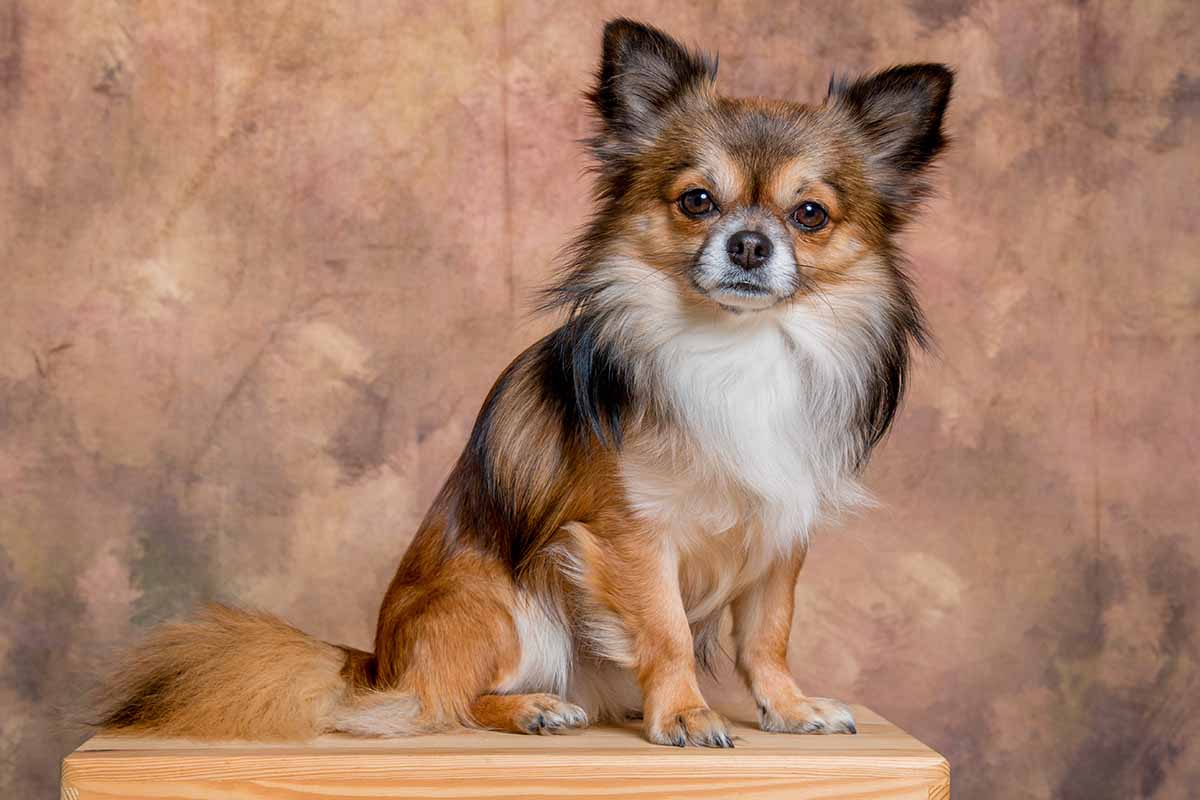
column 586, row 379
column 584, row 384
column 477, row 506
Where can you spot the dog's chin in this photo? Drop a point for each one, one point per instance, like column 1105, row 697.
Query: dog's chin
column 740, row 297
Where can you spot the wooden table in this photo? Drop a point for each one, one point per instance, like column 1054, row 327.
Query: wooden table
column 882, row 761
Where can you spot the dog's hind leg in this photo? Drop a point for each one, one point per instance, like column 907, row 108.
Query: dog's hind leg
column 445, row 637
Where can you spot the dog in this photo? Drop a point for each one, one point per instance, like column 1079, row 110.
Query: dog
column 736, row 338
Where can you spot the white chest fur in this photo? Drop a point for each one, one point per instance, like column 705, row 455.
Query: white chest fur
column 757, row 450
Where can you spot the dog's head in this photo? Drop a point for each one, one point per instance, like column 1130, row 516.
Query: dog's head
column 749, row 204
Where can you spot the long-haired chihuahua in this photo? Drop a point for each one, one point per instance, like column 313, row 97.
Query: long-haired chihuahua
column 738, row 325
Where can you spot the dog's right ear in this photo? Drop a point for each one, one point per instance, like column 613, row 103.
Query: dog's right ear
column 643, row 71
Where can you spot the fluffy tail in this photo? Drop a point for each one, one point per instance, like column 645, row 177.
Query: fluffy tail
column 229, row 674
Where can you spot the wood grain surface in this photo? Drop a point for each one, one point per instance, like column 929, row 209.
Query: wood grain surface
column 882, row 761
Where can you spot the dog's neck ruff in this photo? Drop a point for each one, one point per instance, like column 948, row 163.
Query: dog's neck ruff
column 758, row 421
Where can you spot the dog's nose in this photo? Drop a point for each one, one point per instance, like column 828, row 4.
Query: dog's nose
column 748, row 249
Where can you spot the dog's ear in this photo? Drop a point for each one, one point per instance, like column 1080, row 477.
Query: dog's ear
column 900, row 112
column 643, row 71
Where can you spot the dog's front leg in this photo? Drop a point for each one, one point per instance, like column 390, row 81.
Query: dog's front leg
column 762, row 624
column 634, row 615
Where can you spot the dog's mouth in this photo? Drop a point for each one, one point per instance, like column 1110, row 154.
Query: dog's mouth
column 743, row 288
column 741, row 295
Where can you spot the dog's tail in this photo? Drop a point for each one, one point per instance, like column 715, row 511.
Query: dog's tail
column 230, row 674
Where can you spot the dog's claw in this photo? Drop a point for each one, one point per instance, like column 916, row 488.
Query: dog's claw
column 702, row 727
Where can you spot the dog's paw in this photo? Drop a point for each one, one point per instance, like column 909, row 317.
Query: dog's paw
column 548, row 714
column 700, row 726
column 807, row 715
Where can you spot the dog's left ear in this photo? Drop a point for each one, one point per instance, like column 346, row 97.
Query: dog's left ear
column 643, row 72
column 900, row 112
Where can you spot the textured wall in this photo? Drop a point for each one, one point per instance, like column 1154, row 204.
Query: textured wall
column 261, row 261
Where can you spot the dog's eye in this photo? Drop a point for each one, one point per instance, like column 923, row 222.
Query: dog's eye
column 697, row 203
column 810, row 216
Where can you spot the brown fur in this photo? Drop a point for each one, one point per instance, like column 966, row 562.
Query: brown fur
column 457, row 613
column 227, row 674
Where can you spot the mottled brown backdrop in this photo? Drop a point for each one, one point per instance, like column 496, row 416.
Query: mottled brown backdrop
column 261, row 261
